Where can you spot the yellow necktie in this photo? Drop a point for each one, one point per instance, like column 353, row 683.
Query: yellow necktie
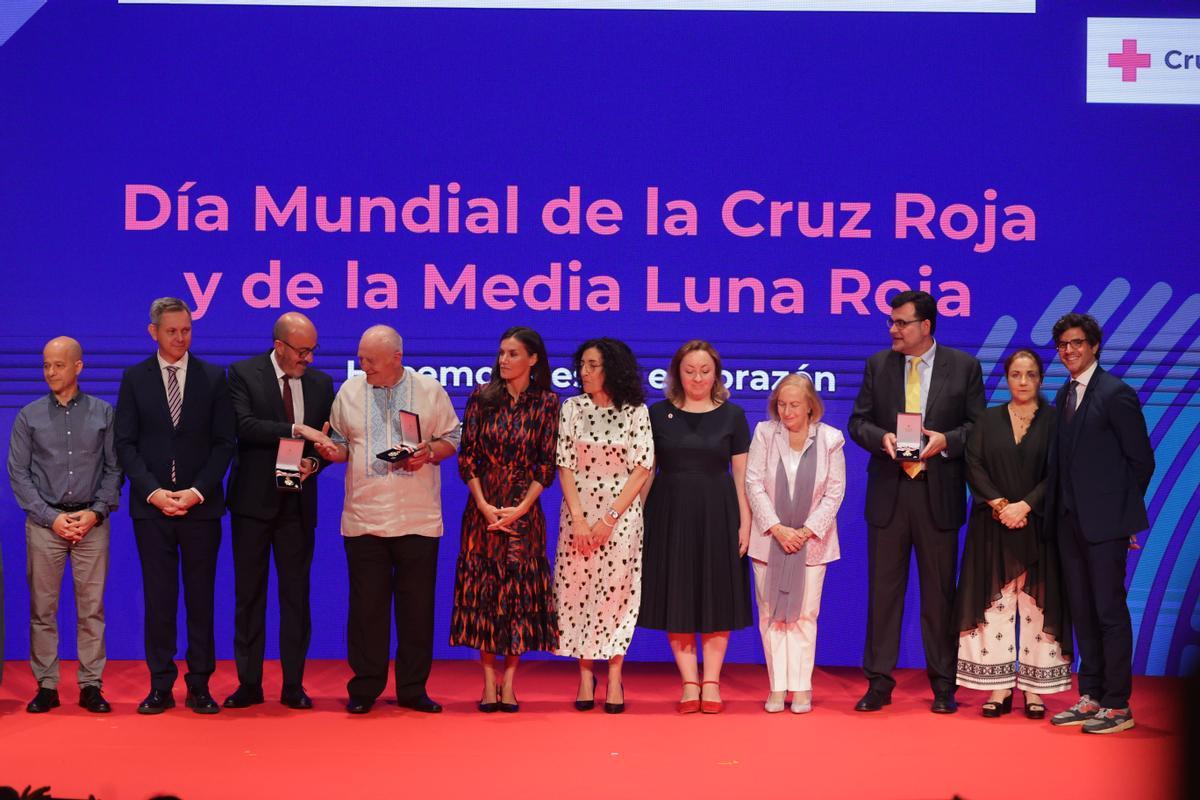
column 912, row 405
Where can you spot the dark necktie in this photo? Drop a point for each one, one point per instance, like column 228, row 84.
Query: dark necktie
column 1072, row 397
column 289, row 410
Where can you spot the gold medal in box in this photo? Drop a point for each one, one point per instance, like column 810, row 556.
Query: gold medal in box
column 287, row 465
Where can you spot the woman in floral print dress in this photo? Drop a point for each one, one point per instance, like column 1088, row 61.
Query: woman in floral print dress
column 503, row 603
column 605, row 454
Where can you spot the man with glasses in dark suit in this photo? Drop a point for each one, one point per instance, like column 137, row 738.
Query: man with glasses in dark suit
column 1101, row 463
column 914, row 505
column 276, row 395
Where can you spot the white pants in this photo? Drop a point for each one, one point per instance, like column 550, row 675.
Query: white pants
column 1000, row 654
column 791, row 650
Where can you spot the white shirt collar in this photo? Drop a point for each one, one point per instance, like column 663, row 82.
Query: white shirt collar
column 181, row 363
column 279, row 373
column 1085, row 377
column 927, row 356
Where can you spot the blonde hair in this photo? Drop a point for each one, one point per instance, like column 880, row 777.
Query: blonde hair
column 816, row 408
column 674, row 392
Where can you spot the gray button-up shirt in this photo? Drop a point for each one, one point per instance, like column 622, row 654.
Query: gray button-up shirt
column 64, row 454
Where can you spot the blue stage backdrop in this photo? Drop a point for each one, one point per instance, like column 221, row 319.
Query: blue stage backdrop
column 761, row 179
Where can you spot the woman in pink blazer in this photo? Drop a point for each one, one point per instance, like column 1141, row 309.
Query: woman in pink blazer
column 795, row 480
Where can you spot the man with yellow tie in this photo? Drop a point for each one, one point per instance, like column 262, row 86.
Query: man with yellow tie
column 914, row 504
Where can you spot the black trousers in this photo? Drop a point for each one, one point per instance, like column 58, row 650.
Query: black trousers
column 390, row 572
column 889, row 550
column 291, row 541
column 168, row 548
column 1095, row 578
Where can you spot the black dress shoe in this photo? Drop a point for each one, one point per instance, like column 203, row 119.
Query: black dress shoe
column 91, row 699
column 873, row 700
column 244, row 697
column 296, row 698
column 200, row 701
column 946, row 704
column 359, row 705
column 43, row 701
column 509, row 708
column 158, row 701
column 423, row 703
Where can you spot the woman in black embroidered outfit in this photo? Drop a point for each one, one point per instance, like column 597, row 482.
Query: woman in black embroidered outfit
column 1011, row 611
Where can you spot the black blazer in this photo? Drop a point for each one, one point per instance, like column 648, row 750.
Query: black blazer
column 955, row 401
column 1107, row 462
column 147, row 441
column 258, row 408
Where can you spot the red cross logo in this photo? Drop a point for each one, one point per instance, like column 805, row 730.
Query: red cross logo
column 1129, row 60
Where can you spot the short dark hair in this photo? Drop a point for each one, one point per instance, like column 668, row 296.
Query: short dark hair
column 1085, row 322
column 923, row 302
column 622, row 378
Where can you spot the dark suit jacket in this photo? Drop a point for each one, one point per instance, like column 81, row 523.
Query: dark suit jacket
column 147, row 441
column 258, row 408
column 1109, row 461
column 955, row 401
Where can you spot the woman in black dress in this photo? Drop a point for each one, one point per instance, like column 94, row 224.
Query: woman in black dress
column 697, row 523
column 1011, row 612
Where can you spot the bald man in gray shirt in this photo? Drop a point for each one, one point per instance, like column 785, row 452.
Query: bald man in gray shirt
column 63, row 468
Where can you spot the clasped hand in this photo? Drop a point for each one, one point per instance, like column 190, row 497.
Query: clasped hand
column 174, row 504
column 791, row 539
column 501, row 518
column 590, row 538
column 75, row 525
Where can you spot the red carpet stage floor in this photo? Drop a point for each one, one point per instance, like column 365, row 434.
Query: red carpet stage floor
column 551, row 750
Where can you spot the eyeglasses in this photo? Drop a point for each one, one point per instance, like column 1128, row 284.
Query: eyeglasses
column 303, row 352
column 902, row 323
column 1073, row 344
column 590, row 367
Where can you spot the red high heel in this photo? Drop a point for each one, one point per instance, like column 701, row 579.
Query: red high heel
column 688, row 706
column 711, row 706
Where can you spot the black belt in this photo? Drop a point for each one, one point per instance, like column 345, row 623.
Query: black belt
column 71, row 508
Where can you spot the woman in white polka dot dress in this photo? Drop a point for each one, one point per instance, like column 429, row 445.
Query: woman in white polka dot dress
column 605, row 454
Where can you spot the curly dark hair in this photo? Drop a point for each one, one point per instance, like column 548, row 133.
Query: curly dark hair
column 622, row 377
column 539, row 376
column 1085, row 322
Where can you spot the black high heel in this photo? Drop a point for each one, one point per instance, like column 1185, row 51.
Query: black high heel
column 588, row 705
column 507, row 708
column 993, row 709
column 615, row 708
column 488, row 708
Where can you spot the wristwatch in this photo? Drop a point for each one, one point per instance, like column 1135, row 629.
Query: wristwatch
column 612, row 515
column 99, row 516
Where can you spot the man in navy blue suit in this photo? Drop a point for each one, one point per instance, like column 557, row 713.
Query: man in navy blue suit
column 1100, row 466
column 175, row 437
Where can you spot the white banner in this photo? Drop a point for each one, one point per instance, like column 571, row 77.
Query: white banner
column 1132, row 60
